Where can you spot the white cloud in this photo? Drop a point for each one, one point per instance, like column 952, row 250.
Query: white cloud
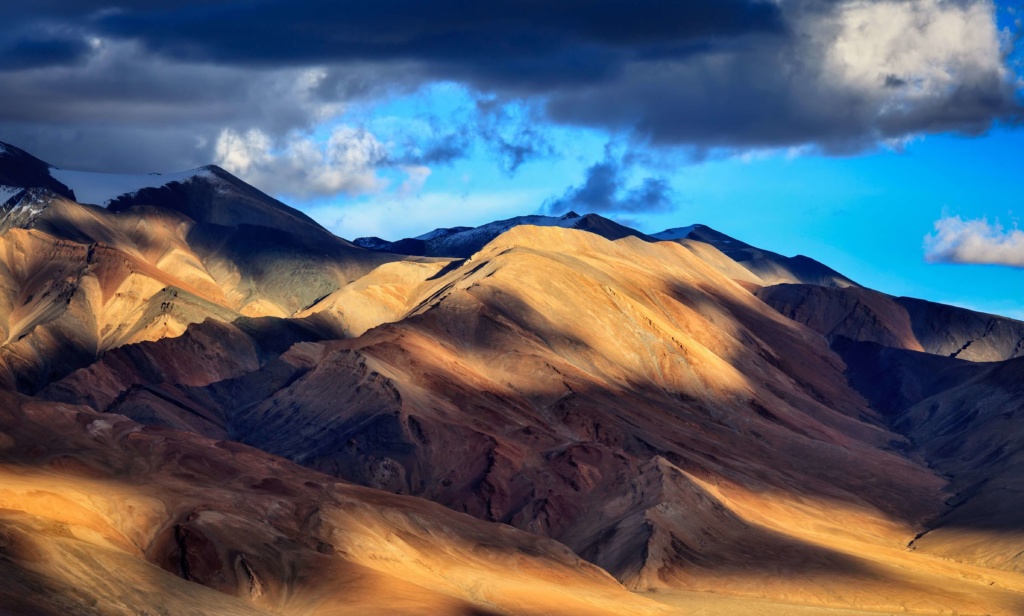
column 956, row 240
column 303, row 166
column 899, row 54
column 416, row 177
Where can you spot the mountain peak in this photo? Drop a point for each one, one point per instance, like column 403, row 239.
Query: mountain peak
column 20, row 170
column 104, row 188
column 206, row 194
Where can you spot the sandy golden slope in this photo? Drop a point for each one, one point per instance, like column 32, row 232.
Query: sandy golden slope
column 76, row 281
column 99, row 515
column 626, row 398
column 631, row 399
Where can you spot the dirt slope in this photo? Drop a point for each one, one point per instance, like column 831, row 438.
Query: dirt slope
column 899, row 322
column 625, row 398
column 100, row 515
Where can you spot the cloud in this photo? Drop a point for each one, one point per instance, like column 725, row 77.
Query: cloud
column 305, row 167
column 956, row 240
column 31, row 51
column 710, row 73
column 831, row 82
column 124, row 111
column 528, row 42
column 416, row 177
column 604, row 190
column 151, row 86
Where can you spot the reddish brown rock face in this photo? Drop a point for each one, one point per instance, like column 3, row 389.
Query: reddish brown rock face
column 234, row 412
column 627, row 399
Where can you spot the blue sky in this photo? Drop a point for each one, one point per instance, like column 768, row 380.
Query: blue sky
column 866, row 215
column 823, row 128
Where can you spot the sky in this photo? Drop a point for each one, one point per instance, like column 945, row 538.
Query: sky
column 878, row 136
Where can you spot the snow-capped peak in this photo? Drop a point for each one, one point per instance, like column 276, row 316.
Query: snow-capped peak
column 676, row 233
column 441, row 232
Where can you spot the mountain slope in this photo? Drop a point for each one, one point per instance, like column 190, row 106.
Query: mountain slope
column 101, row 515
column 770, row 267
column 899, row 322
column 216, row 197
column 948, row 379
column 77, row 280
column 206, row 195
column 20, row 170
column 709, row 444
column 767, row 267
column 961, row 417
column 644, row 405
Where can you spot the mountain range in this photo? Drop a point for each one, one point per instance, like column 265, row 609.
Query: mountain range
column 213, row 405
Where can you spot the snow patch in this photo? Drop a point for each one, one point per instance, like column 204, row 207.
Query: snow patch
column 441, row 232
column 102, row 188
column 485, row 233
column 371, row 243
column 676, row 233
column 6, row 192
column 27, row 208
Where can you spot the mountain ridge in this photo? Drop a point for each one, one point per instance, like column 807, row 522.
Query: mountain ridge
column 229, row 399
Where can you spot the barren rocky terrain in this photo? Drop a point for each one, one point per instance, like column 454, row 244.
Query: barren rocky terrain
column 213, row 405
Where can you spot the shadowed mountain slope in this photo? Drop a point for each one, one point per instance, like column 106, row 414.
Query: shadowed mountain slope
column 101, row 515
column 625, row 398
column 212, row 369
column 19, row 170
column 77, row 280
column 899, row 322
column 767, row 267
column 963, row 418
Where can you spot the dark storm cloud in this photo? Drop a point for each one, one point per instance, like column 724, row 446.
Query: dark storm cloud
column 32, row 51
column 604, row 189
column 705, row 74
column 506, row 40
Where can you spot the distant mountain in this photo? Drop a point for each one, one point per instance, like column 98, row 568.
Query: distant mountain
column 462, row 242
column 675, row 233
column 206, row 194
column 769, row 267
column 899, row 322
column 20, row 170
column 160, row 252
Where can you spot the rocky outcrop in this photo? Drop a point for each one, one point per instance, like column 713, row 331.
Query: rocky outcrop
column 899, row 322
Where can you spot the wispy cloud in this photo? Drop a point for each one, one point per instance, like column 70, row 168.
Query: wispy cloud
column 977, row 241
column 304, row 166
column 605, row 189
